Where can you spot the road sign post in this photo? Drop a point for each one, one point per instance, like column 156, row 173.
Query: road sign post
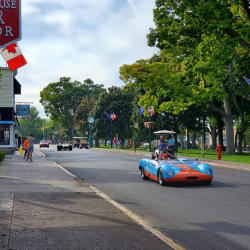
column 10, row 22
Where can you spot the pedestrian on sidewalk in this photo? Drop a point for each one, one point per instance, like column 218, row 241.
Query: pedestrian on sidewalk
column 31, row 141
column 25, row 147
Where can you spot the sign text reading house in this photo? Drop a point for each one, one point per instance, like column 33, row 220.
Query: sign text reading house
column 10, row 22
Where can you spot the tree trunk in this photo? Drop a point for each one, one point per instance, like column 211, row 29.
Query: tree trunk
column 236, row 140
column 182, row 141
column 188, row 137
column 194, row 133
column 220, row 132
column 241, row 137
column 214, row 136
column 176, row 144
column 97, row 143
column 242, row 129
column 229, row 127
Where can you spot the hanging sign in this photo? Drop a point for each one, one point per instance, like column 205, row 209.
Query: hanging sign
column 10, row 22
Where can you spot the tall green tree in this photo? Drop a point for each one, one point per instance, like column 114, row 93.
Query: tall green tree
column 61, row 99
column 32, row 125
column 202, row 44
column 83, row 111
column 115, row 100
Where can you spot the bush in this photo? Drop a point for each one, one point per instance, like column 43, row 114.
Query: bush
column 2, row 156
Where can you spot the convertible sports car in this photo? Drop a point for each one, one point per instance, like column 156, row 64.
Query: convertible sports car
column 64, row 146
column 176, row 171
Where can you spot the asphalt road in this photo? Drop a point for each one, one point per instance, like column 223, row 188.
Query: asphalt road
column 197, row 217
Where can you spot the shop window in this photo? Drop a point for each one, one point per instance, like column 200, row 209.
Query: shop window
column 4, row 134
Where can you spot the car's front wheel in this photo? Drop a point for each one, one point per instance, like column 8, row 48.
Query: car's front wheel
column 161, row 177
column 143, row 176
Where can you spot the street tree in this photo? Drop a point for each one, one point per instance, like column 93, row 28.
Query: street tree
column 83, row 111
column 201, row 43
column 32, row 125
column 61, row 99
column 118, row 101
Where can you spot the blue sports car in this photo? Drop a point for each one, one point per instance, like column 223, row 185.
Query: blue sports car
column 180, row 170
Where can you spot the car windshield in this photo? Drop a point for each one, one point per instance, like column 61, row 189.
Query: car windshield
column 187, row 160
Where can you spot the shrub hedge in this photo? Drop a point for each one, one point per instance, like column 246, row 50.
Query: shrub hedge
column 2, row 156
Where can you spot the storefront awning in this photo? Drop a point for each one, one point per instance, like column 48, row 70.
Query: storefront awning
column 6, row 122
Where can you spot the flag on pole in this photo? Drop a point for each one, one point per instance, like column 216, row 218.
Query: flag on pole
column 13, row 56
column 247, row 80
column 113, row 116
column 109, row 116
column 152, row 111
column 141, row 110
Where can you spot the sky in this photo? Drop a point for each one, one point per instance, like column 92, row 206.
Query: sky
column 80, row 39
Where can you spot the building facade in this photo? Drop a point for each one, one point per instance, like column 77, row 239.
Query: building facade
column 9, row 86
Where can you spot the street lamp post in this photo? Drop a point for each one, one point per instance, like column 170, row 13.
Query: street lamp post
column 90, row 121
column 111, row 132
column 149, row 127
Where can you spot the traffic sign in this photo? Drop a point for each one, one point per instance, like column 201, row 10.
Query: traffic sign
column 10, row 22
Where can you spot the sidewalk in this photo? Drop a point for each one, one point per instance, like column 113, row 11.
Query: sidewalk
column 42, row 207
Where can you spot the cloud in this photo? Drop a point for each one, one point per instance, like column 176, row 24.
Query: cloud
column 81, row 39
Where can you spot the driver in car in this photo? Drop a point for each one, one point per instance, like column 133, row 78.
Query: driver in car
column 163, row 153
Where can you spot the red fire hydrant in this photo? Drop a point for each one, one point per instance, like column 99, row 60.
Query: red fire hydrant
column 218, row 149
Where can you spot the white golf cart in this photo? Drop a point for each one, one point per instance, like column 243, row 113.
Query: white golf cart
column 166, row 152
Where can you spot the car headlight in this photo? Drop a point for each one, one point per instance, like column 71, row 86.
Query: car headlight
column 209, row 171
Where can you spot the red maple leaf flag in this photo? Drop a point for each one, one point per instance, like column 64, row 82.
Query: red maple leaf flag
column 152, row 111
column 13, row 56
column 113, row 116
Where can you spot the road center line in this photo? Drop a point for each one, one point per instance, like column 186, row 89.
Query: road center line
column 137, row 219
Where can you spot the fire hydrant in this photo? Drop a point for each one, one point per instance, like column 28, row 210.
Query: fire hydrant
column 218, row 149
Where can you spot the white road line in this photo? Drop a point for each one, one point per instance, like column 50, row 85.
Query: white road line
column 137, row 219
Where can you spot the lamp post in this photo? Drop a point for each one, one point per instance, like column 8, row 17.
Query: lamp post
column 90, row 121
column 149, row 127
column 111, row 132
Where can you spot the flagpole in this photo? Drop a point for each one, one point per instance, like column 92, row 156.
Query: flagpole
column 111, row 135
column 149, row 135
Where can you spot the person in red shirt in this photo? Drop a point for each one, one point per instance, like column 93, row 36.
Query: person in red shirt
column 25, row 147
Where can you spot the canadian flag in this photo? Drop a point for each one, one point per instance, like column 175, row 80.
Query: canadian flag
column 113, row 116
column 13, row 56
column 151, row 110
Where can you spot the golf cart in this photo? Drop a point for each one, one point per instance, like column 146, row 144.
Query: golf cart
column 80, row 142
column 164, row 152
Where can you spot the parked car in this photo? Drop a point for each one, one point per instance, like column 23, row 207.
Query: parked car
column 44, row 144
